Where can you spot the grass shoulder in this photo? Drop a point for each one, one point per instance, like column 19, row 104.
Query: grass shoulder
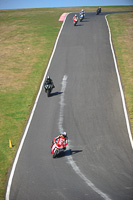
column 122, row 35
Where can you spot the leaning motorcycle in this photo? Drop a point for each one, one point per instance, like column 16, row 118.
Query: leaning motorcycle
column 75, row 22
column 48, row 89
column 57, row 147
column 98, row 11
column 81, row 17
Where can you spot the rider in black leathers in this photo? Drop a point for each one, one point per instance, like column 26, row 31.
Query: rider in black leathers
column 49, row 82
column 99, row 10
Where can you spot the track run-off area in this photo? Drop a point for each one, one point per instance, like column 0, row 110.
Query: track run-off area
column 88, row 103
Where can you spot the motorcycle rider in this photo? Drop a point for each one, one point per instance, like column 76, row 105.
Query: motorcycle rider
column 62, row 136
column 49, row 81
column 81, row 16
column 100, row 9
column 75, row 18
column 82, row 12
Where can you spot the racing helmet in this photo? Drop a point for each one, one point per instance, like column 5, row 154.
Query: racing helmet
column 48, row 77
column 75, row 15
column 64, row 134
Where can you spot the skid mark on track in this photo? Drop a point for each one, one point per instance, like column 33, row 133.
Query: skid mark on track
column 69, row 158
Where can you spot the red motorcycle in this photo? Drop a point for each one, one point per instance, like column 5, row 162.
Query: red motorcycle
column 57, row 147
column 75, row 20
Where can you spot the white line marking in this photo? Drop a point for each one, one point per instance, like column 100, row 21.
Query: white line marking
column 70, row 159
column 120, row 86
column 87, row 181
column 62, row 104
column 29, row 121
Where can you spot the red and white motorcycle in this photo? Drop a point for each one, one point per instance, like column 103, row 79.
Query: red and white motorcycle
column 57, row 147
column 75, row 21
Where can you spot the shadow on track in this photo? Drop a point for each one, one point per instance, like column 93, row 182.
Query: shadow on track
column 68, row 152
column 85, row 20
column 55, row 94
column 79, row 24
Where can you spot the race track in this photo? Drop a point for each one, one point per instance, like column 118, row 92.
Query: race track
column 86, row 103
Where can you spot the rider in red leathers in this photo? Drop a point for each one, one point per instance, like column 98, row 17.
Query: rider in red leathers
column 75, row 18
column 63, row 137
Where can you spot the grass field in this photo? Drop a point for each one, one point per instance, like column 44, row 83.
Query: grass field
column 122, row 33
column 27, row 38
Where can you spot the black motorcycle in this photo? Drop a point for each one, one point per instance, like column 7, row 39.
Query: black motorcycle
column 98, row 11
column 48, row 89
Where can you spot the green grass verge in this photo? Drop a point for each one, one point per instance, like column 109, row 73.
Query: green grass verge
column 122, row 33
column 27, row 37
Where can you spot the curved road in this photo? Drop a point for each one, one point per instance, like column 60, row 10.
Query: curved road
column 87, row 104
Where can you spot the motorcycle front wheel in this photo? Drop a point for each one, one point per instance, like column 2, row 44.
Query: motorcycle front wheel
column 55, row 154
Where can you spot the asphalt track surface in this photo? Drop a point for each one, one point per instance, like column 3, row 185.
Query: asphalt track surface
column 93, row 117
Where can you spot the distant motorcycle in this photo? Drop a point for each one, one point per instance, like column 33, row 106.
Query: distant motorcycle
column 57, row 147
column 48, row 89
column 81, row 17
column 98, row 11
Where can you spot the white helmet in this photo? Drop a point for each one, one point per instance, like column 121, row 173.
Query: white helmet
column 64, row 134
